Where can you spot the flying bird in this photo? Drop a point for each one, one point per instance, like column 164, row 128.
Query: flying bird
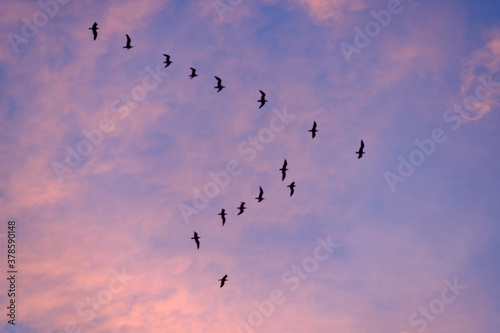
column 313, row 130
column 260, row 198
column 291, row 186
column 283, row 171
column 94, row 30
column 360, row 152
column 241, row 208
column 128, row 46
column 223, row 215
column 196, row 239
column 167, row 61
column 223, row 280
column 262, row 99
column 193, row 73
column 219, row 84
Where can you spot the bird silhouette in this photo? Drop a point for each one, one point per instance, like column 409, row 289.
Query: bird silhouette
column 223, row 215
column 260, row 198
column 219, row 84
column 94, row 30
column 313, row 130
column 360, row 152
column 283, row 171
column 262, row 99
column 167, row 61
column 291, row 186
column 223, row 280
column 196, row 239
column 193, row 73
column 241, row 208
column 128, row 46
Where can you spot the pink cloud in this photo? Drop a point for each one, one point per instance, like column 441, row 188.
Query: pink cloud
column 336, row 9
column 484, row 62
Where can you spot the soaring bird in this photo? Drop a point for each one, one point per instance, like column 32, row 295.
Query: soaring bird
column 219, row 84
column 196, row 239
column 128, row 46
column 223, row 215
column 223, row 280
column 193, row 73
column 313, row 130
column 291, row 186
column 262, row 99
column 167, row 61
column 260, row 198
column 241, row 208
column 94, row 30
column 283, row 171
column 360, row 152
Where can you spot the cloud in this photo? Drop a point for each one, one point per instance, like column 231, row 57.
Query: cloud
column 119, row 208
column 332, row 9
column 484, row 62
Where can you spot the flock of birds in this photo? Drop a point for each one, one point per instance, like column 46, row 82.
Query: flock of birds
column 262, row 102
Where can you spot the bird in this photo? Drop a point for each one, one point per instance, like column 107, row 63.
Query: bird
column 313, row 130
column 193, row 73
column 167, row 61
column 94, row 30
column 283, row 171
column 360, row 152
column 223, row 280
column 260, row 198
column 291, row 186
column 128, row 46
column 219, row 84
column 196, row 239
column 223, row 215
column 262, row 99
column 241, row 208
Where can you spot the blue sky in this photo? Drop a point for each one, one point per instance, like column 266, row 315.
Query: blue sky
column 125, row 198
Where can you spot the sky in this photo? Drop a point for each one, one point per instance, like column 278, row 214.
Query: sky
column 109, row 162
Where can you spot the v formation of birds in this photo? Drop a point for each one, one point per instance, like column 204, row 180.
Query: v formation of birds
column 241, row 208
